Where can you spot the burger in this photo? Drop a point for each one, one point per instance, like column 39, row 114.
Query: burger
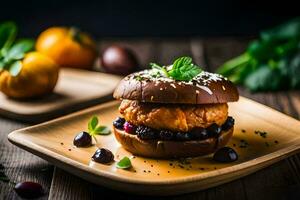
column 174, row 111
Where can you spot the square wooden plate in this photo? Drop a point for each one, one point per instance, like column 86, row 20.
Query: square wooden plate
column 76, row 89
column 262, row 136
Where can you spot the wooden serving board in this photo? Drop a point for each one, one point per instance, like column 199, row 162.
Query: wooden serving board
column 53, row 142
column 76, row 89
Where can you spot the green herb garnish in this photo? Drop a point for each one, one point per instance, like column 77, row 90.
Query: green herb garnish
column 124, row 163
column 272, row 62
column 11, row 52
column 182, row 69
column 94, row 129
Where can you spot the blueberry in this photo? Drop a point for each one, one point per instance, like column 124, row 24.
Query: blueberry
column 29, row 190
column 119, row 123
column 146, row 133
column 228, row 123
column 103, row 156
column 166, row 135
column 181, row 136
column 225, row 155
column 82, row 139
column 214, row 130
column 198, row 133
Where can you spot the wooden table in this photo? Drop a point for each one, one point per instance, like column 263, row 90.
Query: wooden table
column 279, row 181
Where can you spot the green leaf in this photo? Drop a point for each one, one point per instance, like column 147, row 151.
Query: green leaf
column 18, row 50
column 230, row 66
column 288, row 30
column 159, row 69
column 8, row 33
column 294, row 72
column 263, row 79
column 15, row 68
column 92, row 124
column 102, row 130
column 183, row 69
column 124, row 163
column 179, row 62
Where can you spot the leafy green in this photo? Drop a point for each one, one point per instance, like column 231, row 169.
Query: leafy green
column 8, row 32
column 18, row 50
column 271, row 62
column 94, row 129
column 12, row 52
column 182, row 69
column 15, row 68
column 124, row 163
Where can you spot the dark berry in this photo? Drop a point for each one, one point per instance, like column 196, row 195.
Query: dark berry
column 228, row 123
column 181, row 136
column 214, row 130
column 198, row 134
column 29, row 190
column 129, row 128
column 225, row 155
column 103, row 156
column 119, row 123
column 146, row 133
column 82, row 139
column 166, row 135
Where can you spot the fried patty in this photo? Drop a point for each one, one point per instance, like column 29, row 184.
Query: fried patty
column 173, row 117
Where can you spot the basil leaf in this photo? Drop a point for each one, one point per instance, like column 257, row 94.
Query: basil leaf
column 125, row 163
column 15, row 68
column 8, row 33
column 92, row 124
column 102, row 130
column 18, row 50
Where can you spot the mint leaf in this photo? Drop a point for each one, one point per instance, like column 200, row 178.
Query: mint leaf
column 92, row 124
column 8, row 33
column 15, row 68
column 181, row 62
column 94, row 129
column 159, row 69
column 183, row 69
column 124, row 163
column 102, row 130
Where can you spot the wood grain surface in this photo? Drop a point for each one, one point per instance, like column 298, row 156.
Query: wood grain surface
column 279, row 181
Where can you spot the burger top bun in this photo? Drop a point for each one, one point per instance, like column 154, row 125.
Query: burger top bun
column 205, row 88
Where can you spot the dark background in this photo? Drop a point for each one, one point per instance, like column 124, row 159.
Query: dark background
column 149, row 18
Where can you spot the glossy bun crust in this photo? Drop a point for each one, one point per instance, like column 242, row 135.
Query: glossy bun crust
column 203, row 89
column 171, row 149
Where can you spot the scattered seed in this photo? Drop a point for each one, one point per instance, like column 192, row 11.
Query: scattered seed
column 168, row 171
column 70, row 149
column 151, row 165
column 144, row 171
column 276, row 142
column 243, row 130
column 62, row 143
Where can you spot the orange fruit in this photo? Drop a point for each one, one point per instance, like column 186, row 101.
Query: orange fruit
column 38, row 76
column 68, row 47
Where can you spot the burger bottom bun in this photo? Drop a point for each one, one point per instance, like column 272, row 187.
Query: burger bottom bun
column 171, row 149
